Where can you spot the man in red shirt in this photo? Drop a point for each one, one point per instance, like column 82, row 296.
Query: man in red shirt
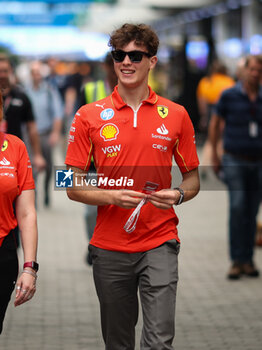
column 133, row 135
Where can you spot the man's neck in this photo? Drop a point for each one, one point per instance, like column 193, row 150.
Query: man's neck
column 133, row 96
column 251, row 90
column 6, row 91
column 36, row 85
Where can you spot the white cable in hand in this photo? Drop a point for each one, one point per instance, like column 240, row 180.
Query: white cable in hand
column 130, row 225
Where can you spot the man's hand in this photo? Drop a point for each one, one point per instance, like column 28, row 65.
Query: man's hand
column 216, row 162
column 39, row 162
column 164, row 199
column 96, row 196
column 25, row 289
column 126, row 198
column 53, row 138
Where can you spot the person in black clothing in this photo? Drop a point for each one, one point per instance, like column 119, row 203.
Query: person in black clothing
column 18, row 110
column 74, row 84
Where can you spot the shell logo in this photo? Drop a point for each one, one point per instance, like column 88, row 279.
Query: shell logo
column 109, row 132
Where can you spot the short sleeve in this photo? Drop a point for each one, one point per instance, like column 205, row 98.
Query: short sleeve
column 79, row 151
column 185, row 152
column 28, row 115
column 24, row 170
column 82, row 99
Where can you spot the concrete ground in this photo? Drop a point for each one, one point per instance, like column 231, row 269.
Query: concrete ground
column 212, row 312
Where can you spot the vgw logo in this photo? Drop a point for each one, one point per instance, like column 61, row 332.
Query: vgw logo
column 64, row 178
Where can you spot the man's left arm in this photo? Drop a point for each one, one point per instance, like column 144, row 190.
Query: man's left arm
column 166, row 198
column 56, row 132
column 38, row 159
column 29, row 119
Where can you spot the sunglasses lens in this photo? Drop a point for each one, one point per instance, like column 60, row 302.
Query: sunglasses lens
column 118, row 55
column 135, row 56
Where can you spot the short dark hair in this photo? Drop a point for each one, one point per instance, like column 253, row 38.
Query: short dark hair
column 6, row 58
column 218, row 66
column 249, row 58
column 142, row 34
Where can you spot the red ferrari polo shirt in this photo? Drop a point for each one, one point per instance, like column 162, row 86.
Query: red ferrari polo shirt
column 15, row 177
column 129, row 148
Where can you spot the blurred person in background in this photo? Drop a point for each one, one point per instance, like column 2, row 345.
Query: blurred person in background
column 208, row 92
column 16, row 190
column 239, row 75
column 134, row 133
column 259, row 223
column 48, row 110
column 91, row 92
column 239, row 114
column 18, row 111
column 240, row 68
column 57, row 76
column 96, row 90
column 79, row 76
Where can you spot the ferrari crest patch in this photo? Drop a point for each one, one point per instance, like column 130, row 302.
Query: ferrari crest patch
column 5, row 145
column 162, row 111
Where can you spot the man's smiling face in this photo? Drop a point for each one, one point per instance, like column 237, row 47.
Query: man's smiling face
column 133, row 74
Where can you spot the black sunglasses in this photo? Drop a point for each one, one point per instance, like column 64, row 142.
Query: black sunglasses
column 134, row 56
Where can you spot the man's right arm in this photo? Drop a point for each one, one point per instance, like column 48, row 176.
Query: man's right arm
column 70, row 99
column 29, row 118
column 214, row 135
column 38, row 160
column 89, row 194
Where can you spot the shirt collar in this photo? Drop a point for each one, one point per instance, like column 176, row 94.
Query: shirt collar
column 240, row 87
column 119, row 103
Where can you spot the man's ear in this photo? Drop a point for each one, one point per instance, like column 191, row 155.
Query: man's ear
column 153, row 61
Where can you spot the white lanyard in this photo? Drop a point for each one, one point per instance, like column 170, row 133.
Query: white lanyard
column 130, row 225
